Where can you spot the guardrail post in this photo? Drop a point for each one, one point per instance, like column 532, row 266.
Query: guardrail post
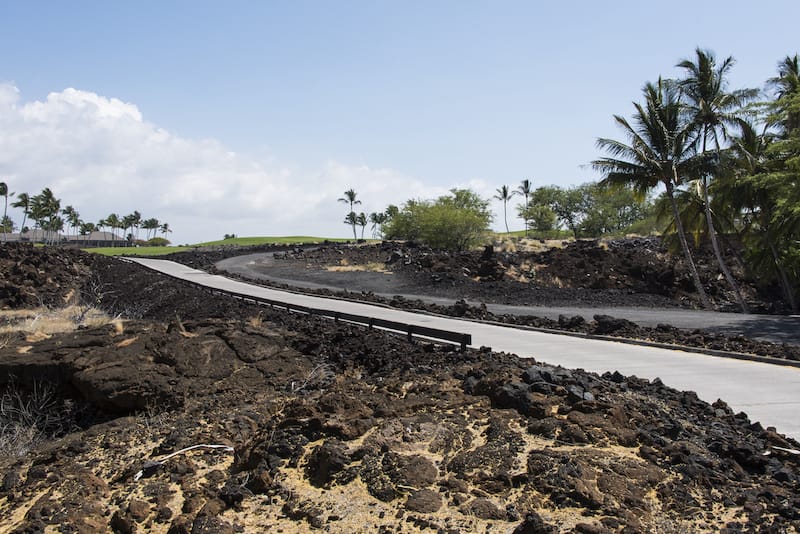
column 410, row 333
column 464, row 343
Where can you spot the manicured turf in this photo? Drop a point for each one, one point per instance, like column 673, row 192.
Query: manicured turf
column 237, row 241
column 250, row 241
column 136, row 251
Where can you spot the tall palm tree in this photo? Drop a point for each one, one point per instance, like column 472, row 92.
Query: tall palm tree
column 659, row 152
column 165, row 229
column 361, row 220
column 73, row 218
column 758, row 202
column 712, row 108
column 151, row 224
column 352, row 220
column 504, row 195
column 5, row 194
column 350, row 198
column 23, row 202
column 525, row 189
column 378, row 220
column 114, row 222
column 44, row 210
column 785, row 85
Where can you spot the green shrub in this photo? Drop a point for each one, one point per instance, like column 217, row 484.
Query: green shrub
column 158, row 242
column 457, row 221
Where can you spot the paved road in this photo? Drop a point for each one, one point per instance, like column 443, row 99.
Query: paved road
column 767, row 393
column 774, row 328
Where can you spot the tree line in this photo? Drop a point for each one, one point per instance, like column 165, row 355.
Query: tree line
column 729, row 163
column 45, row 210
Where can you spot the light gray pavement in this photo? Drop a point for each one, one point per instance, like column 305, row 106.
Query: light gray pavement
column 768, row 393
column 773, row 328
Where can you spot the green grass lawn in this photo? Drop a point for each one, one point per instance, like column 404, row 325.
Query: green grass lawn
column 136, row 251
column 287, row 240
column 238, row 241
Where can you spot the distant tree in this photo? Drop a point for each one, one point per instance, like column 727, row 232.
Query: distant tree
column 351, row 219
column 524, row 189
column 165, row 229
column 540, row 217
column 72, row 218
column 361, row 220
column 350, row 198
column 504, row 195
column 23, row 202
column 5, row 194
column 86, row 229
column 456, row 221
column 44, row 209
column 151, row 224
column 114, row 222
column 378, row 220
column 7, row 225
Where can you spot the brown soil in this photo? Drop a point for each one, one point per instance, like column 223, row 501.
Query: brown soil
column 340, row 429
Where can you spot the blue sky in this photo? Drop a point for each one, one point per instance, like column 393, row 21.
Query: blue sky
column 274, row 108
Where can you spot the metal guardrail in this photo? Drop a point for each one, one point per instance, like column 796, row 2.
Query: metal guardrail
column 461, row 339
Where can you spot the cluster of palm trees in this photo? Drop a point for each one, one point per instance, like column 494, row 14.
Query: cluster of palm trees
column 504, row 194
column 48, row 215
column 361, row 219
column 728, row 163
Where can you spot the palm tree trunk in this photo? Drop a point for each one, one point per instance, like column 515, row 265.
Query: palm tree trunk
column 505, row 214
column 712, row 234
column 788, row 292
column 685, row 246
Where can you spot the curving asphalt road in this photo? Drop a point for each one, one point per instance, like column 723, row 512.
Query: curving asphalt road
column 774, row 328
column 768, row 393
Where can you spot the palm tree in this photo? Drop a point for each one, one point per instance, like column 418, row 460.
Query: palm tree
column 378, row 220
column 165, row 229
column 712, row 109
column 73, row 218
column 785, row 85
column 114, row 222
column 758, row 202
column 132, row 223
column 361, row 220
column 44, row 210
column 524, row 189
column 5, row 194
column 86, row 229
column 24, row 202
column 659, row 152
column 351, row 219
column 350, row 198
column 151, row 224
column 504, row 195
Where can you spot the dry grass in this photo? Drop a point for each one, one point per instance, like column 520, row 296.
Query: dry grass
column 42, row 322
column 345, row 267
column 524, row 244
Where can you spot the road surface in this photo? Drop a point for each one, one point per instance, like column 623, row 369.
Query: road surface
column 768, row 393
column 773, row 328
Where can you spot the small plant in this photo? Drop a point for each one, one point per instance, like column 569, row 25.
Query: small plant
column 28, row 417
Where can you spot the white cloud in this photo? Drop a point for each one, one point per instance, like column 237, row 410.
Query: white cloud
column 100, row 155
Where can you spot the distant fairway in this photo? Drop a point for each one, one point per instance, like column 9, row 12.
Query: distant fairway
column 236, row 241
column 286, row 240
